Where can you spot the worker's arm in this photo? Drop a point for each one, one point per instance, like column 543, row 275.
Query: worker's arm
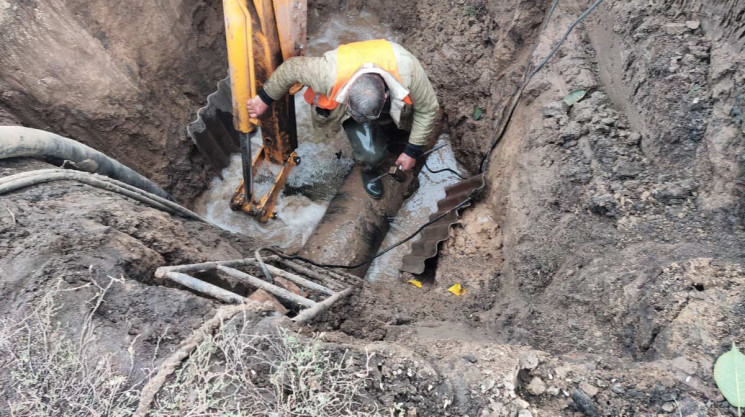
column 425, row 112
column 316, row 72
column 425, row 105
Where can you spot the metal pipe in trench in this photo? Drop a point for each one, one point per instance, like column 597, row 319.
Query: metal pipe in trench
column 354, row 225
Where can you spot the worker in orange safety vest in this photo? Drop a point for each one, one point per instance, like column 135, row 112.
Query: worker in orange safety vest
column 362, row 85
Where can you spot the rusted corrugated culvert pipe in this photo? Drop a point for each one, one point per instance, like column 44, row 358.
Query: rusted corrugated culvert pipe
column 19, row 141
column 354, row 225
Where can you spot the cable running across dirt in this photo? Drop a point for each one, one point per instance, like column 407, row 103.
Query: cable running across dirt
column 379, row 254
column 437, row 171
column 509, row 110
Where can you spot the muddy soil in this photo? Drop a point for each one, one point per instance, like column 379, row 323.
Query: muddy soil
column 612, row 229
column 123, row 78
column 65, row 235
column 603, row 267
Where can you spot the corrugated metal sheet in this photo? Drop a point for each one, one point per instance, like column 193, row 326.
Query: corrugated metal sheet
column 426, row 245
column 213, row 131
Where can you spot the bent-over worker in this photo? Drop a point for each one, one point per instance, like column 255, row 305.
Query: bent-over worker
column 363, row 85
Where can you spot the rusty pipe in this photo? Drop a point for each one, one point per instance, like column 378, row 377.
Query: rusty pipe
column 354, row 224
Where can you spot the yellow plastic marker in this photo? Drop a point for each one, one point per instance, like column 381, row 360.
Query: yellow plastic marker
column 415, row 283
column 457, row 289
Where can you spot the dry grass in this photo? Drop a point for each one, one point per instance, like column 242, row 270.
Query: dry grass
column 53, row 375
column 237, row 373
column 230, row 373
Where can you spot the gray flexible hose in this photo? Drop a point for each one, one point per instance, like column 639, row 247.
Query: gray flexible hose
column 19, row 141
column 26, row 179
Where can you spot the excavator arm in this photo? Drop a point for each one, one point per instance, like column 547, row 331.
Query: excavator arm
column 260, row 35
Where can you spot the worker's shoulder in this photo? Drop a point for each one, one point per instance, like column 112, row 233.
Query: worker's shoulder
column 399, row 49
column 397, row 46
column 331, row 55
column 402, row 54
column 323, row 62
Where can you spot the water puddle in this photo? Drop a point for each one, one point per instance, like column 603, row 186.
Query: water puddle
column 340, row 28
column 307, row 192
column 416, row 211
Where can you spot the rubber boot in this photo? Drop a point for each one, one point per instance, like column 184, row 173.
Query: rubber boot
column 368, row 142
column 373, row 188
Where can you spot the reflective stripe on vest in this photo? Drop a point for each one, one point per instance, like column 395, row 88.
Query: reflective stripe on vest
column 349, row 59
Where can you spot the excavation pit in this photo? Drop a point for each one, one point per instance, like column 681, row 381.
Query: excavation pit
column 605, row 256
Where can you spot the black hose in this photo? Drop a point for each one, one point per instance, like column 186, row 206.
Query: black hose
column 19, row 141
column 15, row 182
column 437, row 171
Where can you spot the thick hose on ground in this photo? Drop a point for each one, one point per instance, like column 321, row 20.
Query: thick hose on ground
column 26, row 179
column 19, row 141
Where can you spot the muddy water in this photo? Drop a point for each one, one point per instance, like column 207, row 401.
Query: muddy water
column 416, row 210
column 309, row 188
column 324, row 153
column 344, row 28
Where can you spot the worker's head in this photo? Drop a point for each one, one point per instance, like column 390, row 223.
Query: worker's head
column 367, row 96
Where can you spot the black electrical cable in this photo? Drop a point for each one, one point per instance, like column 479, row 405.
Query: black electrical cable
column 516, row 95
column 442, row 170
column 379, row 254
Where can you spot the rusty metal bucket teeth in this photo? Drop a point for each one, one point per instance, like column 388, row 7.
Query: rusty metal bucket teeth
column 426, row 245
column 213, row 130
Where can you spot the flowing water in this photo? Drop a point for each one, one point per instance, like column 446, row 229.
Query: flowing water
column 325, row 163
column 308, row 190
column 416, row 210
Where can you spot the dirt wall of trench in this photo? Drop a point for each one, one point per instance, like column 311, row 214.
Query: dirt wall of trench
column 124, row 78
column 611, row 228
column 616, row 224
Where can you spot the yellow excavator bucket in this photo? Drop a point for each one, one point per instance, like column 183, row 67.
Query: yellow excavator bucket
column 260, row 35
column 291, row 17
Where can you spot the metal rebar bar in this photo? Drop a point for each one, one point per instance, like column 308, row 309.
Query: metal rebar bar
column 330, row 282
column 270, row 288
column 204, row 287
column 300, row 280
column 210, row 266
column 263, row 267
column 319, row 308
column 335, row 275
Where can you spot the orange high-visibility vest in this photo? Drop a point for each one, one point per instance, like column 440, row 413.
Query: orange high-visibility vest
column 350, row 58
